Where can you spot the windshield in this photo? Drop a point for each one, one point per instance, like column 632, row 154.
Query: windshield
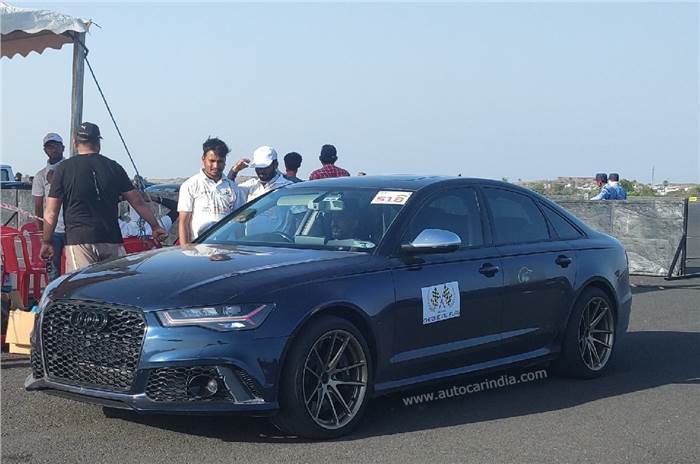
column 337, row 219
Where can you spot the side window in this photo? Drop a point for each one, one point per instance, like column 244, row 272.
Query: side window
column 516, row 217
column 562, row 227
column 454, row 210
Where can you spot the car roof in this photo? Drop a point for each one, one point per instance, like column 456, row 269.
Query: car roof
column 398, row 182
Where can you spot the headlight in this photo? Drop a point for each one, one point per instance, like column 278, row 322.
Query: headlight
column 222, row 318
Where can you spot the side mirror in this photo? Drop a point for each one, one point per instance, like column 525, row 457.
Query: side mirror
column 433, row 241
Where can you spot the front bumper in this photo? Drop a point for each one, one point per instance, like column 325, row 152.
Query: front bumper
column 246, row 369
column 140, row 402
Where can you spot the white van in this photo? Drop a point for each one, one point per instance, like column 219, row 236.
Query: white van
column 6, row 174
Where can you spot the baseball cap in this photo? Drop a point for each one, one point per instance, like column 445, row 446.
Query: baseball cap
column 263, row 157
column 88, row 132
column 53, row 137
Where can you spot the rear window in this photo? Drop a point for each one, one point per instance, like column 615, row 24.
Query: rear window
column 516, row 217
column 564, row 229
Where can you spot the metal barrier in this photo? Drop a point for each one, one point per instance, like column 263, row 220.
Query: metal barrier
column 687, row 256
column 649, row 228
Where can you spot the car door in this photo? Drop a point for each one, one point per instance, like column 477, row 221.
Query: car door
column 448, row 305
column 538, row 270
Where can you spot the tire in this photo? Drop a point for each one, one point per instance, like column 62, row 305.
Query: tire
column 589, row 344
column 336, row 390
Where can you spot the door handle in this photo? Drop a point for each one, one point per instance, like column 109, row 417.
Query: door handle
column 563, row 260
column 488, row 269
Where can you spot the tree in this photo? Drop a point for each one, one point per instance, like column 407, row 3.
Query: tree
column 537, row 187
column 629, row 186
column 644, row 191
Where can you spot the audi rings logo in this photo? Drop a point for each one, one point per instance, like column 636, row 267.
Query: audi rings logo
column 89, row 320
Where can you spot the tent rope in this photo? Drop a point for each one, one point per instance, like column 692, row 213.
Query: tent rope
column 140, row 186
column 109, row 110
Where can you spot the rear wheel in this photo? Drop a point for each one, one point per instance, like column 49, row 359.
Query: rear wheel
column 325, row 384
column 590, row 336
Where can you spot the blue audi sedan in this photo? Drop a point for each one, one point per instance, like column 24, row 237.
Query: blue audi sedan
column 305, row 303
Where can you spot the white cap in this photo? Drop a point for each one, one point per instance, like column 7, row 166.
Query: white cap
column 263, row 157
column 53, row 137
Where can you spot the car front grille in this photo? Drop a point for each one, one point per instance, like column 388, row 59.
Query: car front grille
column 37, row 368
column 249, row 383
column 92, row 344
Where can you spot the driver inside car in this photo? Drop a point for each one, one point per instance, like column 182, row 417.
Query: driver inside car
column 344, row 225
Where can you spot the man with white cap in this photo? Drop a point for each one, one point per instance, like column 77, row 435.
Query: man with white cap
column 268, row 179
column 265, row 165
column 53, row 147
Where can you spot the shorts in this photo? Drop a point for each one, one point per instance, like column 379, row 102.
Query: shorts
column 79, row 256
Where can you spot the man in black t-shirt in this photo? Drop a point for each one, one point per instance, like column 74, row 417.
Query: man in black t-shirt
column 88, row 186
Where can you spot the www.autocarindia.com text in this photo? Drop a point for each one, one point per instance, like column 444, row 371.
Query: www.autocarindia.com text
column 504, row 380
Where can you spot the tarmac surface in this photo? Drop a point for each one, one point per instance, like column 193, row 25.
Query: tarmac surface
column 647, row 409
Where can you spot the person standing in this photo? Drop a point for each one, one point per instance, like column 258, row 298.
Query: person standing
column 41, row 185
column 88, row 186
column 601, row 180
column 617, row 191
column 135, row 226
column 328, row 157
column 268, row 176
column 268, row 179
column 292, row 162
column 208, row 196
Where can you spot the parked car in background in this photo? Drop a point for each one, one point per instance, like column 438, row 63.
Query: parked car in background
column 8, row 181
column 6, row 174
column 306, row 302
column 163, row 188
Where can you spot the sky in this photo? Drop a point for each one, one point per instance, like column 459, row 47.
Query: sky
column 517, row 90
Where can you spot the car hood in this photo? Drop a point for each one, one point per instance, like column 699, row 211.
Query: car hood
column 202, row 275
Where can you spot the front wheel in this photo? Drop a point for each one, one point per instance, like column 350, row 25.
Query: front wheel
column 590, row 336
column 325, row 383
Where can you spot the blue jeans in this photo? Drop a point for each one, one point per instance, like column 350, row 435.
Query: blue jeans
column 59, row 242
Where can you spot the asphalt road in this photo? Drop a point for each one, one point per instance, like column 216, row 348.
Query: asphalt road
column 646, row 410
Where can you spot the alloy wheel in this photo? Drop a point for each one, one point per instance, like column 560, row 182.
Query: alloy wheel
column 596, row 334
column 335, row 379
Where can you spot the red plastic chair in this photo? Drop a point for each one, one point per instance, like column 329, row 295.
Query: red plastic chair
column 10, row 261
column 31, row 230
column 35, row 266
column 137, row 244
column 35, row 248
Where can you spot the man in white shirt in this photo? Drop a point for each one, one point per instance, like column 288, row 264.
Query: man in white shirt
column 208, row 196
column 136, row 226
column 268, row 179
column 265, row 165
column 53, row 147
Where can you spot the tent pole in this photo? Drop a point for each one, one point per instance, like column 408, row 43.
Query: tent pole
column 76, row 110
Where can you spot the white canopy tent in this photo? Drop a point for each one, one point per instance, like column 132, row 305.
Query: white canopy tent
column 26, row 30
